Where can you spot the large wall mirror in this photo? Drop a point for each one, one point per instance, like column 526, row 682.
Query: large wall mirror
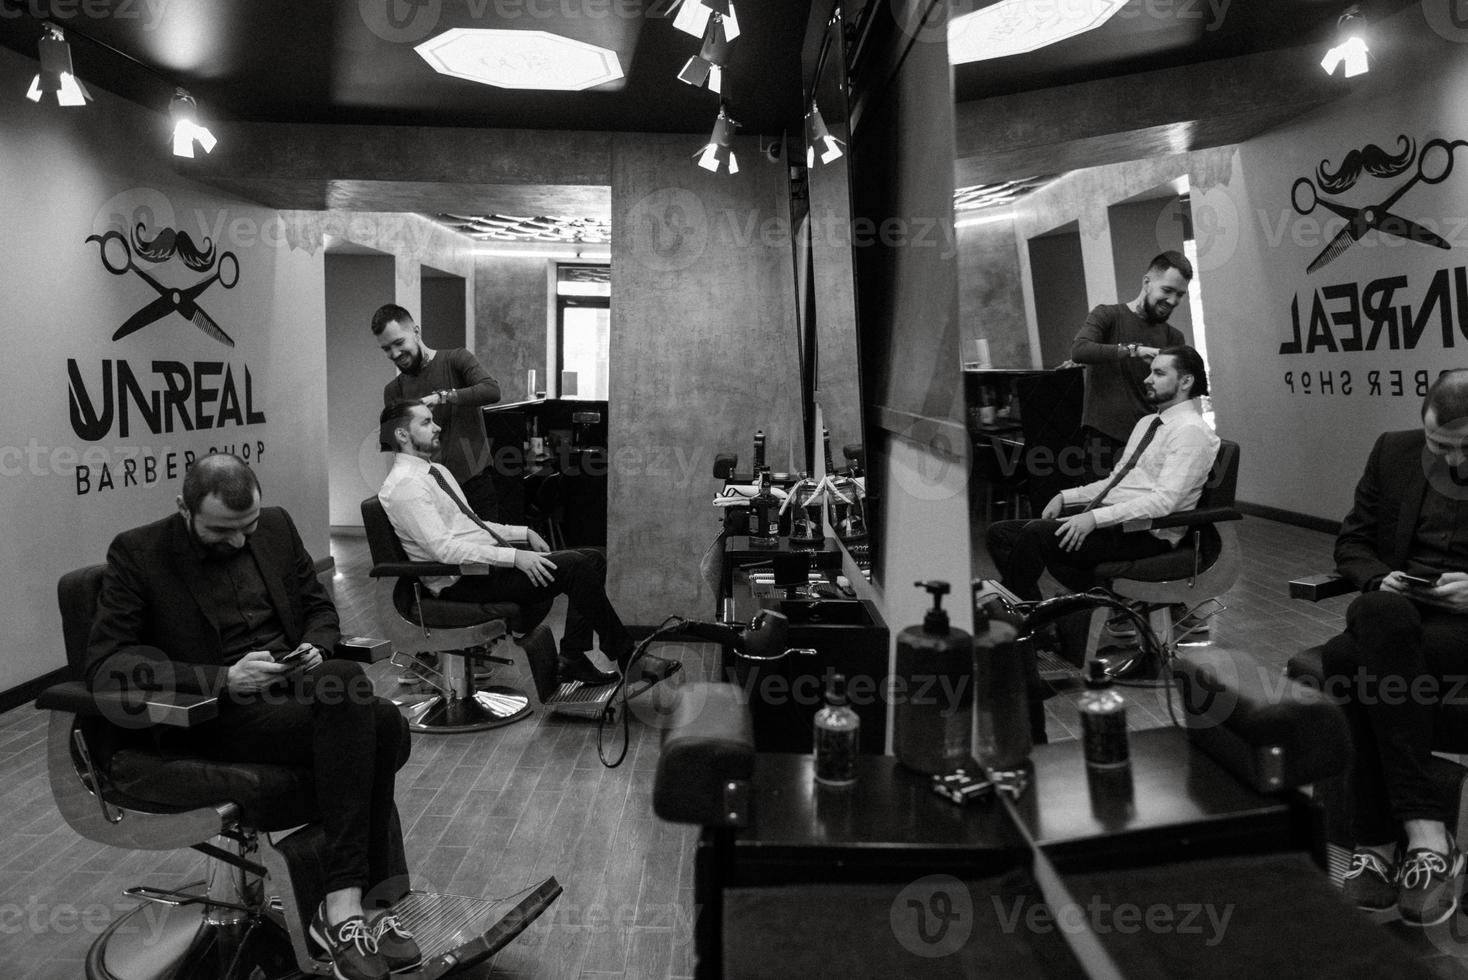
column 833, row 339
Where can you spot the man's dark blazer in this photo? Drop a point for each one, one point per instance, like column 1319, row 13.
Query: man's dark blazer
column 150, row 599
column 1376, row 535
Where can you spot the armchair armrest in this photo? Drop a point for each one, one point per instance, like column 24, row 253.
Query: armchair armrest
column 1314, row 588
column 422, row 569
column 174, row 708
column 707, row 758
column 1184, row 518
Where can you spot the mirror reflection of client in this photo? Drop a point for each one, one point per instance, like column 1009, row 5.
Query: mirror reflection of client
column 1167, row 460
column 428, row 511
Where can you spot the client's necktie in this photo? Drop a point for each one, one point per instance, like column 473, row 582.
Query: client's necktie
column 1130, row 463
column 438, row 478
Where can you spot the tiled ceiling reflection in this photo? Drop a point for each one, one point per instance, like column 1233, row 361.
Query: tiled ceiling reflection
column 981, row 196
column 545, row 228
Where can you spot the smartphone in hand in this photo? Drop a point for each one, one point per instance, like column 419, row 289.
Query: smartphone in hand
column 1419, row 581
column 293, row 659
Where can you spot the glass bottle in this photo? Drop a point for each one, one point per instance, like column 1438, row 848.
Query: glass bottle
column 764, row 515
column 836, row 731
column 1103, row 720
column 807, row 507
column 759, row 451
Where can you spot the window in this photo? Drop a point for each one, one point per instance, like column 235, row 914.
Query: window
column 584, row 328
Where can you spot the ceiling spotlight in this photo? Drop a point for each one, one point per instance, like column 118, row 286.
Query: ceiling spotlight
column 693, row 15
column 818, row 139
column 720, row 148
column 186, row 128
column 708, row 64
column 1350, row 47
column 56, row 76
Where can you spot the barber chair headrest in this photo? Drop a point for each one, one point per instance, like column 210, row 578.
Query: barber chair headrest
column 707, row 758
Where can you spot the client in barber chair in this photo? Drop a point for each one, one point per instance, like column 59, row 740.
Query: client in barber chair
column 222, row 598
column 427, row 509
column 1405, row 649
column 1167, row 460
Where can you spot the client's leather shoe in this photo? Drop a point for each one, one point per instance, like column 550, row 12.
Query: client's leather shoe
column 578, row 667
column 395, row 944
column 350, row 944
column 1130, row 664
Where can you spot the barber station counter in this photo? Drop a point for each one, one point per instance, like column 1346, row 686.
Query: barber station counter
column 556, row 479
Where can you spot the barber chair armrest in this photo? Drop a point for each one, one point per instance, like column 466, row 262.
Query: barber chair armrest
column 1184, row 518
column 174, row 708
column 1314, row 588
column 423, row 569
column 1271, row 734
column 707, row 759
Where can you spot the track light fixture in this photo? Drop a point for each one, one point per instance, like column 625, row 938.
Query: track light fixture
column 186, row 128
column 818, row 138
column 693, row 16
column 56, row 76
column 720, row 145
column 708, row 65
column 1350, row 47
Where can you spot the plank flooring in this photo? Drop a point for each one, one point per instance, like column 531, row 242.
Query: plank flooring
column 488, row 813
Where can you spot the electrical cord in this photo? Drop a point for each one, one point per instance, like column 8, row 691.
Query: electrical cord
column 668, row 626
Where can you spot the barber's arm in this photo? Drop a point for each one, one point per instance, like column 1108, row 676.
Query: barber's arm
column 1356, row 555
column 473, row 385
column 1095, row 343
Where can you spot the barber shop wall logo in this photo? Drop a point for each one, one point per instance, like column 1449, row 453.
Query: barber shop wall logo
column 117, row 254
column 1383, row 211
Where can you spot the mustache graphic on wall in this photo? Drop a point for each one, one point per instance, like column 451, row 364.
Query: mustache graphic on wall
column 1371, row 159
column 170, row 243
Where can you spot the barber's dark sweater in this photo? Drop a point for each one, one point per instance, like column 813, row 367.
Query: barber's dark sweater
column 464, row 450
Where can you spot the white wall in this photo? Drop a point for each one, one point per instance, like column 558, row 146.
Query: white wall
column 71, row 173
column 1304, row 449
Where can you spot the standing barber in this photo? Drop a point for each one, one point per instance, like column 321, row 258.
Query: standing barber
column 1117, row 343
column 453, row 384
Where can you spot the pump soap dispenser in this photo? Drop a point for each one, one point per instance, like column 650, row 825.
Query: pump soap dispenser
column 934, row 692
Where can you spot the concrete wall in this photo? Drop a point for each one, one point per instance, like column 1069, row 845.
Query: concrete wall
column 511, row 310
column 990, row 300
column 444, row 307
column 704, row 351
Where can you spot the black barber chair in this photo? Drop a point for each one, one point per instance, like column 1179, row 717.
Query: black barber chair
column 247, row 919
column 1203, row 566
column 417, row 621
column 1450, row 735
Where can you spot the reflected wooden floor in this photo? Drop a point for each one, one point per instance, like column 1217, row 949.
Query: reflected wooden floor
column 488, row 813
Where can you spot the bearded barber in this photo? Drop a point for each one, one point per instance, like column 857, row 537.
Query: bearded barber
column 1117, row 344
column 454, row 385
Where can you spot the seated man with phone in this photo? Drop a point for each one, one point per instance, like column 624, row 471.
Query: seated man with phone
column 1404, row 650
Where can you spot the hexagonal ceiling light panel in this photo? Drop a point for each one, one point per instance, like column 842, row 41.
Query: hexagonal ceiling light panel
column 520, row 59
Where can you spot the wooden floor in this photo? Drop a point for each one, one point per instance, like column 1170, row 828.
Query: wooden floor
column 488, row 813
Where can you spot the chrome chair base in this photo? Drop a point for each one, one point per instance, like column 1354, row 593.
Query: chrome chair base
column 493, row 707
column 166, row 942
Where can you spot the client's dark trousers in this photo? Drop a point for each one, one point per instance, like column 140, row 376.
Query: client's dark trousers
column 1392, row 667
column 329, row 721
column 581, row 576
column 1022, row 550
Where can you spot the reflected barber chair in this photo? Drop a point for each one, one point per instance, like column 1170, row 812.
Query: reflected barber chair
column 1203, row 566
column 246, row 919
column 1449, row 738
column 417, row 621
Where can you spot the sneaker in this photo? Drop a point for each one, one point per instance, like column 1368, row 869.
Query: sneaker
column 350, row 945
column 1371, row 882
column 394, row 943
column 1428, row 885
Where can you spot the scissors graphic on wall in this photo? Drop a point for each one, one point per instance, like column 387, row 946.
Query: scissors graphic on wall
column 170, row 300
column 1434, row 164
